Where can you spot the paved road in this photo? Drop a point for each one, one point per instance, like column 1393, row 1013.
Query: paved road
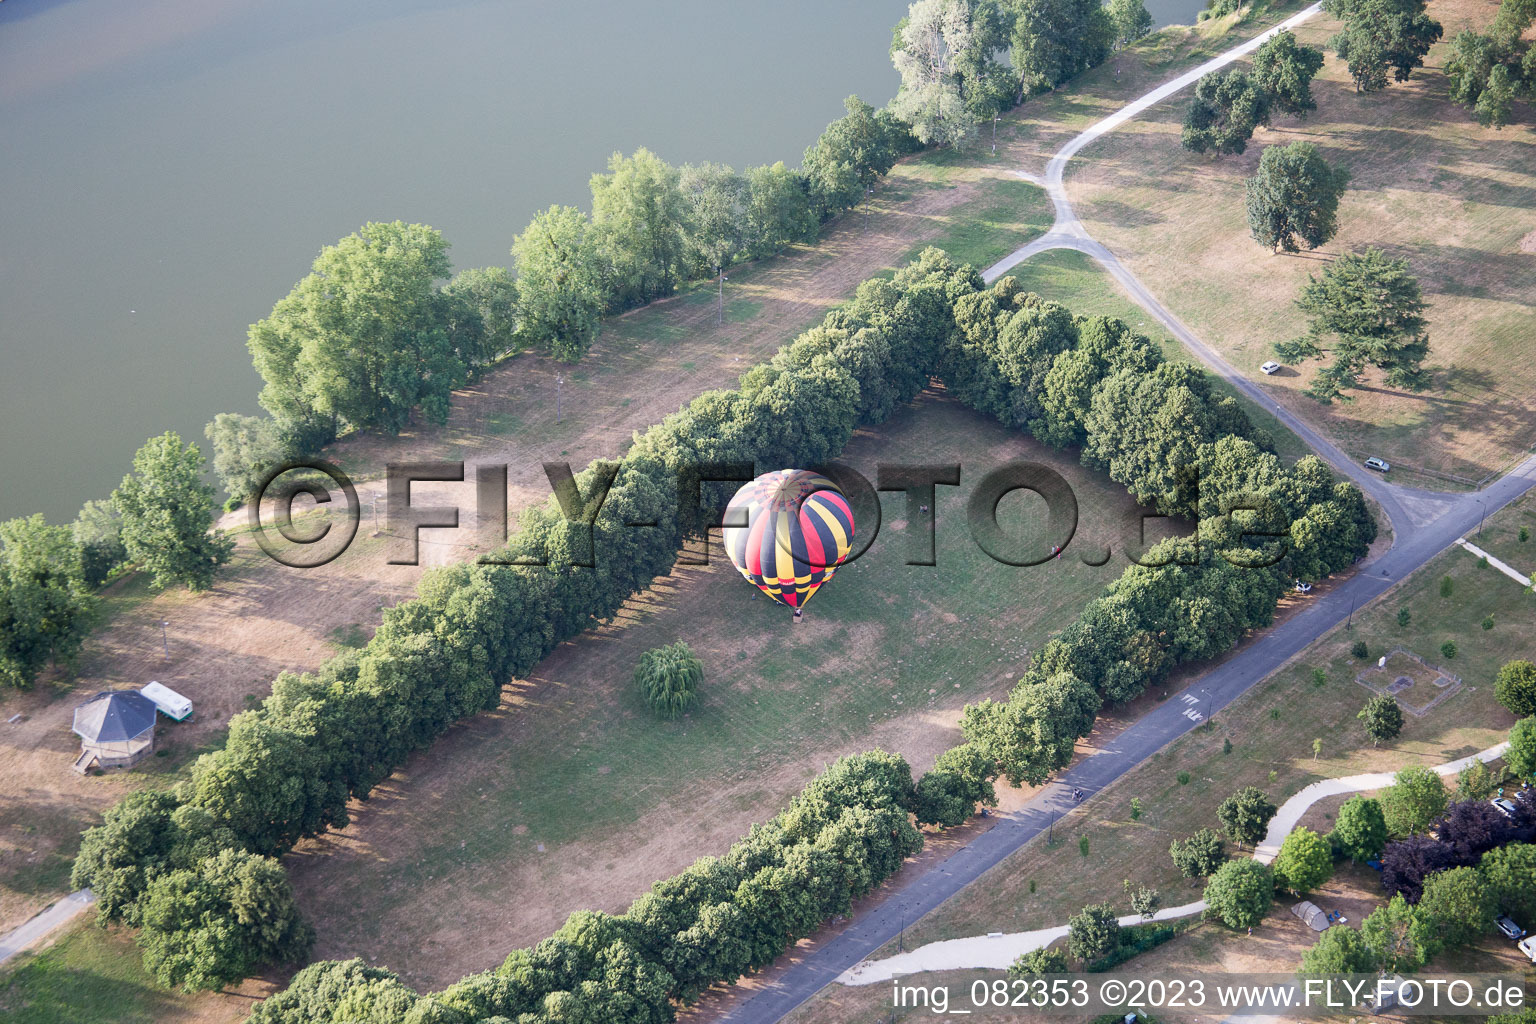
column 1424, row 524
column 40, row 926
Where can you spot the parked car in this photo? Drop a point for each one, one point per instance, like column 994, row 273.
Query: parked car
column 1528, row 947
column 1379, row 465
column 1303, row 588
column 1269, row 367
column 1509, row 929
column 1506, row 807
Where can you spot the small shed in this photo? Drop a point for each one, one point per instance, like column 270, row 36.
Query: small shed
column 171, row 704
column 116, row 730
column 1311, row 915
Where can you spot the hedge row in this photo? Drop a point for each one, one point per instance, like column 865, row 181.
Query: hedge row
column 290, row 765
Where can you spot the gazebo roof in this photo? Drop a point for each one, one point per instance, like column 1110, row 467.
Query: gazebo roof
column 115, row 716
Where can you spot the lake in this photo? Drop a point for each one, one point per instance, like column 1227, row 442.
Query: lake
column 171, row 167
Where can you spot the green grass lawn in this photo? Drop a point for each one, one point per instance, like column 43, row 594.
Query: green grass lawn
column 1007, row 214
column 86, row 977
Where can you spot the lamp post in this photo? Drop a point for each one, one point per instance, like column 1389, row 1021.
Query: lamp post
column 165, row 645
column 1481, row 517
column 868, row 191
column 559, row 381
column 720, row 314
column 994, row 134
column 1207, row 693
column 1350, row 622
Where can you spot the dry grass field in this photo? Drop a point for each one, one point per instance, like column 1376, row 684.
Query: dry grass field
column 1428, row 184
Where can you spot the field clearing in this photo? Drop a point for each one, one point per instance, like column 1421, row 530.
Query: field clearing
column 1427, row 184
column 572, row 795
column 223, row 647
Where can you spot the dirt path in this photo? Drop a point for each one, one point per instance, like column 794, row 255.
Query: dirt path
column 996, row 952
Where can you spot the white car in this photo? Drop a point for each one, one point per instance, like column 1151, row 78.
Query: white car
column 1528, row 947
column 1379, row 465
column 1509, row 929
column 1269, row 367
column 1303, row 588
column 1506, row 807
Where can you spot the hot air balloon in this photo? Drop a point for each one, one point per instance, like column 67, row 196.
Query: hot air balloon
column 798, row 530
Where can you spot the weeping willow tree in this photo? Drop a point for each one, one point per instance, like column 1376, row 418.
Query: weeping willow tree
column 668, row 678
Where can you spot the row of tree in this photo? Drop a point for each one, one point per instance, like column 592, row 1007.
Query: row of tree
column 289, row 766
column 1487, row 71
column 379, row 329
column 951, row 56
column 158, row 520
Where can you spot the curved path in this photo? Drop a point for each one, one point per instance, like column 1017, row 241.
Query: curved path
column 996, row 952
column 1424, row 524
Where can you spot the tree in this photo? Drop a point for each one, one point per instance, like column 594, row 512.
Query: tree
column 1131, row 19
column 46, row 607
column 1371, row 308
column 363, row 339
column 1405, row 863
column 668, row 678
column 1515, row 687
column 717, row 199
column 482, row 316
column 927, row 53
column 1037, row 963
column 1093, row 932
column 1360, row 650
column 1304, row 863
column 1404, row 616
column 1388, row 934
column 851, row 154
column 1245, row 815
column 1294, row 198
column 1415, row 798
column 1200, row 855
column 1474, row 782
column 1471, row 828
column 1361, row 828
column 1053, row 40
column 1034, row 732
column 1225, row 110
column 1145, row 902
column 1337, row 951
column 198, row 922
column 146, row 835
column 1493, row 106
column 1382, row 717
column 1382, row 36
column 779, row 210
column 1509, row 872
column 167, row 513
column 639, row 216
column 1240, row 892
column 1455, row 909
column 961, row 778
column 245, row 448
column 98, row 533
column 560, row 283
column 1521, row 756
column 332, row 991
column 1284, row 69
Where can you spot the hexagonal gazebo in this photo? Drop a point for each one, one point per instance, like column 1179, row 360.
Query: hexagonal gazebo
column 116, row 729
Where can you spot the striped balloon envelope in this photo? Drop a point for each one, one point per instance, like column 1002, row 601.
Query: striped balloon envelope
column 791, row 529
